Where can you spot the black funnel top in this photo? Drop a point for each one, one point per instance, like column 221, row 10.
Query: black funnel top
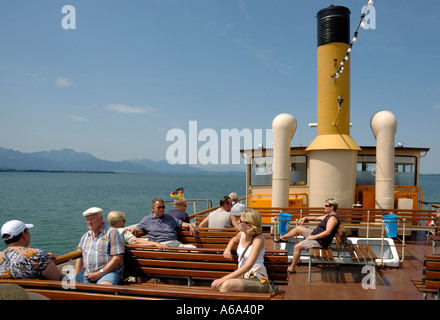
column 333, row 25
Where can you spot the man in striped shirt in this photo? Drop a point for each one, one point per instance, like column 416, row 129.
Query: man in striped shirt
column 103, row 247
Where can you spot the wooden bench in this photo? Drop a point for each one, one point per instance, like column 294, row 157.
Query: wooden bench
column 54, row 290
column 363, row 218
column 430, row 283
column 435, row 238
column 208, row 238
column 359, row 253
column 196, row 265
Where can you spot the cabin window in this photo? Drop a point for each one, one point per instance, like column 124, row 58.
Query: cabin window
column 405, row 171
column 365, row 168
column 261, row 171
column 298, row 170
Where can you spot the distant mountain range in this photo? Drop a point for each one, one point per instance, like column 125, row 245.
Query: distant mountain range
column 70, row 160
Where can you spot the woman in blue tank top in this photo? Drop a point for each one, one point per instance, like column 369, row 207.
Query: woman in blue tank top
column 321, row 237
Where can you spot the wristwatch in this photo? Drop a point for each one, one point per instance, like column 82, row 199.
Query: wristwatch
column 102, row 272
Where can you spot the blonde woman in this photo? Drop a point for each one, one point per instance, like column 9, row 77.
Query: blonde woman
column 251, row 275
column 116, row 219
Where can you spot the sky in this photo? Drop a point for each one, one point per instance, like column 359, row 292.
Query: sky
column 132, row 70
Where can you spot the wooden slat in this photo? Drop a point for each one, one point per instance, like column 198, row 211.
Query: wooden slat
column 175, row 255
column 86, row 291
column 364, row 251
column 432, row 284
column 432, row 275
column 313, row 253
column 432, row 265
column 73, row 295
column 351, row 251
column 170, row 272
column 68, row 256
column 183, row 264
column 357, row 251
column 371, row 252
column 432, row 257
column 329, row 253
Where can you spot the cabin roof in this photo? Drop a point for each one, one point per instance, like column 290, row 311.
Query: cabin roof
column 298, row 148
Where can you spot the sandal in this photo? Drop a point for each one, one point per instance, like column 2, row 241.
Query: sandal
column 278, row 240
column 290, row 271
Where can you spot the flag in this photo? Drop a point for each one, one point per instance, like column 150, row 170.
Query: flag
column 177, row 193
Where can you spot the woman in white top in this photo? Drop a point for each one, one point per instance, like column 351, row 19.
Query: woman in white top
column 251, row 275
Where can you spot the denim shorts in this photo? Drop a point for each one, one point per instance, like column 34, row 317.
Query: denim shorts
column 112, row 277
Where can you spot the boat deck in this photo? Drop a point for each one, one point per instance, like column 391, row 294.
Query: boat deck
column 344, row 282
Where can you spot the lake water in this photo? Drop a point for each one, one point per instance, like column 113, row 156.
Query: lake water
column 54, row 202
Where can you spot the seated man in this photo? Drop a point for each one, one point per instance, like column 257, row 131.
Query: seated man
column 179, row 210
column 162, row 227
column 102, row 247
column 116, row 219
column 222, row 217
column 237, row 207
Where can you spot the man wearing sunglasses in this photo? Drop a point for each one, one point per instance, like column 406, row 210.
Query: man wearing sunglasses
column 162, row 227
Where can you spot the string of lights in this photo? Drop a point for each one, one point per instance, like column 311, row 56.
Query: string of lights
column 354, row 39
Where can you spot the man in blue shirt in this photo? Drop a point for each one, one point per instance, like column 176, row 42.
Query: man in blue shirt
column 162, row 227
column 179, row 210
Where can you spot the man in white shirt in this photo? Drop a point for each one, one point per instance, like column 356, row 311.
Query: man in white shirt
column 222, row 217
column 237, row 208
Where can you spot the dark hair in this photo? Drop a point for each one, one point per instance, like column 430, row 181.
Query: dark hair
column 224, row 200
column 14, row 239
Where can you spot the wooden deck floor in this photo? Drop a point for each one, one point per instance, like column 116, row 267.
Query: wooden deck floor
column 329, row 282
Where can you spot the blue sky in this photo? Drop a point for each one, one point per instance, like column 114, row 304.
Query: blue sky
column 132, row 70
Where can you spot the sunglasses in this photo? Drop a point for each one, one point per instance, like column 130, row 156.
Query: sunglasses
column 327, row 205
column 160, row 207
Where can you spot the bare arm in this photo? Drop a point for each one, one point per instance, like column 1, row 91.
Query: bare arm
column 331, row 224
column 51, row 272
column 257, row 246
column 233, row 221
column 147, row 243
column 204, row 223
column 231, row 244
column 79, row 265
column 311, row 218
column 137, row 233
column 109, row 267
column 192, row 230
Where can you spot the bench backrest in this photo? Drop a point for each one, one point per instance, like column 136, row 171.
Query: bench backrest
column 208, row 238
column 432, row 271
column 195, row 263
